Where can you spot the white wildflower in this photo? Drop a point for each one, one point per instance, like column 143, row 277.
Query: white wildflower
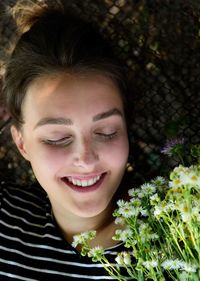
column 127, row 258
column 186, row 215
column 121, row 202
column 182, row 176
column 96, row 253
column 148, row 188
column 159, row 181
column 158, row 210
column 144, row 212
column 141, row 194
column 154, row 199
column 143, row 227
column 163, row 207
column 188, row 267
column 176, row 182
column 136, row 193
column 133, row 192
column 128, row 210
column 119, row 220
column 123, row 258
column 146, row 234
column 76, row 241
column 123, row 235
column 136, row 202
column 169, row 207
column 150, row 264
column 172, row 264
column 194, row 178
column 119, row 259
column 154, row 236
column 80, row 239
column 190, row 177
column 177, row 170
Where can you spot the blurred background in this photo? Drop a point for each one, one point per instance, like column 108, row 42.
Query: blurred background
column 158, row 42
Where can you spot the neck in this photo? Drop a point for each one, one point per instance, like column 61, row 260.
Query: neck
column 70, row 224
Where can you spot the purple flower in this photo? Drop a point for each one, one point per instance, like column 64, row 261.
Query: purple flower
column 171, row 145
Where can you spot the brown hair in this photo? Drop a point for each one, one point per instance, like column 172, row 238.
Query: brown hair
column 57, row 41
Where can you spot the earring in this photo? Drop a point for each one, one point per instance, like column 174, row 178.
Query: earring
column 129, row 168
column 130, row 165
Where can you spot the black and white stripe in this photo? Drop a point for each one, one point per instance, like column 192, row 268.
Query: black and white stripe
column 31, row 247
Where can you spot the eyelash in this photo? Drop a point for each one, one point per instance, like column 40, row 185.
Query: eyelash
column 60, row 142
column 66, row 141
column 107, row 137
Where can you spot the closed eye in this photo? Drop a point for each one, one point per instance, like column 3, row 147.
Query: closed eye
column 107, row 136
column 60, row 142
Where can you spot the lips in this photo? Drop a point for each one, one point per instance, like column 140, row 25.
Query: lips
column 86, row 183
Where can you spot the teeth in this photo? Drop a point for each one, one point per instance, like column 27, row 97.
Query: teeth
column 83, row 183
column 90, row 182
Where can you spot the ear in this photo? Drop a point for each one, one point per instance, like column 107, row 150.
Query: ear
column 19, row 141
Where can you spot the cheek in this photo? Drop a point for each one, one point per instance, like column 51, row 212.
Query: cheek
column 117, row 153
column 46, row 161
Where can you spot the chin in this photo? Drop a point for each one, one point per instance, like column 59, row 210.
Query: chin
column 92, row 210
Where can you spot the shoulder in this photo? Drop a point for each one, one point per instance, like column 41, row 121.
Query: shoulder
column 24, row 211
column 24, row 196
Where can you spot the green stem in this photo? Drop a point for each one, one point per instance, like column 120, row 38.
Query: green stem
column 112, row 270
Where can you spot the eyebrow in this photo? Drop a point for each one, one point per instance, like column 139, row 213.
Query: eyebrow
column 106, row 114
column 53, row 121
column 69, row 122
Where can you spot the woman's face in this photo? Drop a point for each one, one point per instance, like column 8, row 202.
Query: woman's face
column 75, row 138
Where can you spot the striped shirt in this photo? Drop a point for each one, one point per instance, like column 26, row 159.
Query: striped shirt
column 31, row 246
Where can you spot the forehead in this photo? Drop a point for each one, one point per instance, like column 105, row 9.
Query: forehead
column 66, row 93
column 67, row 86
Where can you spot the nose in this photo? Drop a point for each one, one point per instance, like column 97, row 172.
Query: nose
column 85, row 154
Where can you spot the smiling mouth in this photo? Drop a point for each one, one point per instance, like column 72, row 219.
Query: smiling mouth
column 89, row 183
column 84, row 183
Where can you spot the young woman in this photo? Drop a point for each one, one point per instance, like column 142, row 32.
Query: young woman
column 66, row 95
